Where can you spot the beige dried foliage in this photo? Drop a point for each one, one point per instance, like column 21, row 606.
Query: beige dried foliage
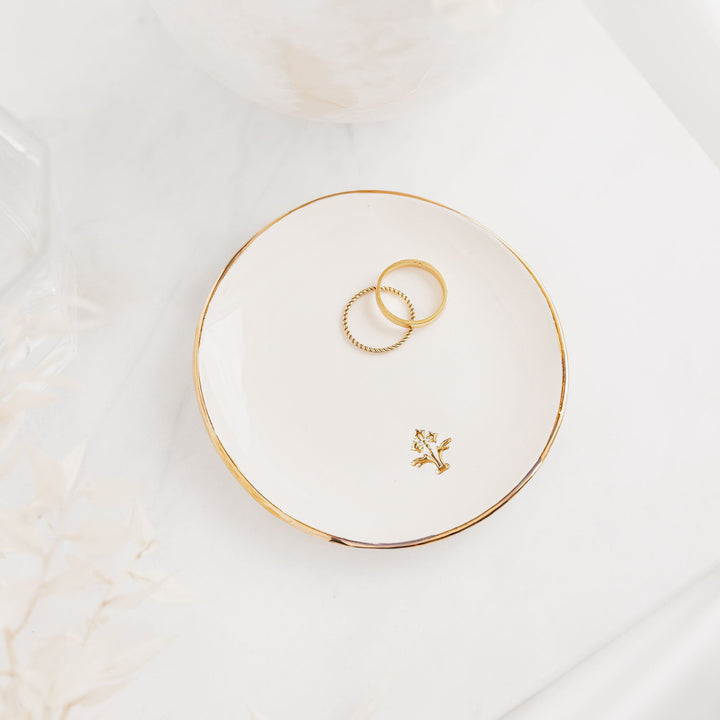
column 74, row 557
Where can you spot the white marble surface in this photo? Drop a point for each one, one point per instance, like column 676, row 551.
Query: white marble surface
column 561, row 148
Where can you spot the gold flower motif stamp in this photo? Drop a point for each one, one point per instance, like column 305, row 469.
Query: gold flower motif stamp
column 426, row 445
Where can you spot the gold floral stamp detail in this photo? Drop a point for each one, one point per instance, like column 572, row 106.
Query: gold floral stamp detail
column 425, row 443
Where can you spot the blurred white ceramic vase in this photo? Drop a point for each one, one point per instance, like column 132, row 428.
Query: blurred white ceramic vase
column 338, row 60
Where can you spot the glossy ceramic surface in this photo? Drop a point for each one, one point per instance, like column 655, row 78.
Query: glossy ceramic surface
column 320, row 432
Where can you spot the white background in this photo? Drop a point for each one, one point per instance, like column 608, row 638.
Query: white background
column 676, row 46
column 562, row 149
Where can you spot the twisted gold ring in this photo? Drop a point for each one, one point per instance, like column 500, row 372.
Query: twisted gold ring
column 369, row 348
column 420, row 265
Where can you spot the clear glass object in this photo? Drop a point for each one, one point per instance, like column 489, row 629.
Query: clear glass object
column 35, row 315
column 24, row 203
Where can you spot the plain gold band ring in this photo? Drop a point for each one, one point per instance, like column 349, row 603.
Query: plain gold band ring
column 420, row 265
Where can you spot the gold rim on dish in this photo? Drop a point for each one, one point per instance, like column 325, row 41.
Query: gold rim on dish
column 257, row 495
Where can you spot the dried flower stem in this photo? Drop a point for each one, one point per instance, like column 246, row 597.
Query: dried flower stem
column 49, row 677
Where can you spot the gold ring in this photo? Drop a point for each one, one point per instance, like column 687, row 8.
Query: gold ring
column 421, row 265
column 369, row 348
